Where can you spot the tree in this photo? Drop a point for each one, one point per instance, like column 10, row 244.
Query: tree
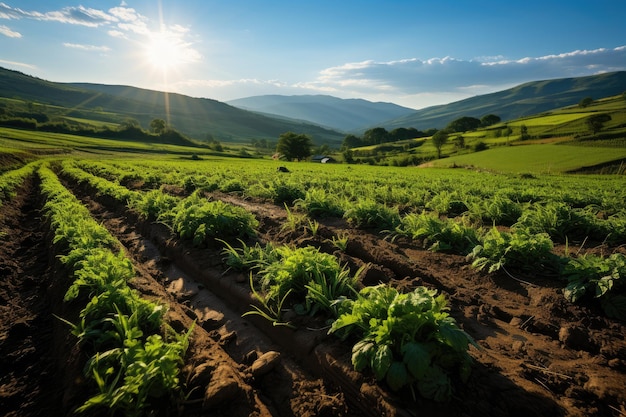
column 585, row 102
column 351, row 141
column 376, row 136
column 508, row 132
column 130, row 122
column 490, row 119
column 597, row 121
column 403, row 133
column 463, row 124
column 439, row 139
column 348, row 156
column 158, row 126
column 322, row 149
column 459, row 142
column 523, row 131
column 294, row 146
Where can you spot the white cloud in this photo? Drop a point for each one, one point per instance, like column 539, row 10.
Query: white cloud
column 116, row 34
column 415, row 76
column 6, row 31
column 73, row 15
column 18, row 64
column 87, row 47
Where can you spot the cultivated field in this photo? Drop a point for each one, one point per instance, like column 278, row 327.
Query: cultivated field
column 220, row 286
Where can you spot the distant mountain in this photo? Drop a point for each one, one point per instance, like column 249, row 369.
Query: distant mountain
column 526, row 99
column 198, row 118
column 343, row 114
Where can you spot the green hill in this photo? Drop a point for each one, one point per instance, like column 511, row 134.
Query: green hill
column 524, row 100
column 562, row 140
column 196, row 117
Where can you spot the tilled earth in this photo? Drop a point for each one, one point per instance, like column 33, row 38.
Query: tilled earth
column 540, row 355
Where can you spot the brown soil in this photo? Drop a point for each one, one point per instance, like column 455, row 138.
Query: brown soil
column 540, row 355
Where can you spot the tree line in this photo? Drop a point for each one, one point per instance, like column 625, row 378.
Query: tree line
column 380, row 135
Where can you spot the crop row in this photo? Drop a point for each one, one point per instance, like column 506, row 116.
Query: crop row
column 526, row 247
column 11, row 180
column 408, row 189
column 405, row 339
column 134, row 357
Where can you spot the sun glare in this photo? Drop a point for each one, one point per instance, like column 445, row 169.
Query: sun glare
column 165, row 52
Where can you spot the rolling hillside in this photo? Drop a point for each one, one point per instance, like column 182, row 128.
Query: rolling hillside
column 342, row 114
column 196, row 117
column 524, row 100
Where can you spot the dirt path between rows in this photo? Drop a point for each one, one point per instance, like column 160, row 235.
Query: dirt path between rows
column 26, row 321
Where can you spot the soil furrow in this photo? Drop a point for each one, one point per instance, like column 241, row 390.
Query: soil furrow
column 26, row 337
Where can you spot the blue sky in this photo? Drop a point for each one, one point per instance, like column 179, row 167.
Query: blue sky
column 409, row 52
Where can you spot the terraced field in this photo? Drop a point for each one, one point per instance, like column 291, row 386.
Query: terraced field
column 535, row 352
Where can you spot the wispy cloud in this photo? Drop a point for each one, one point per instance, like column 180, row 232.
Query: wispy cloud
column 6, row 31
column 87, row 47
column 74, row 15
column 416, row 76
column 18, row 64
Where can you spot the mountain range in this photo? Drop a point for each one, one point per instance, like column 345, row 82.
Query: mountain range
column 326, row 119
column 342, row 114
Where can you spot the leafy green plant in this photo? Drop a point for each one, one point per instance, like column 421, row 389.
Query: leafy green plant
column 499, row 209
column 449, row 203
column 271, row 308
column 313, row 226
column 285, row 194
column 153, row 204
column 406, row 339
column 131, row 376
column 562, row 222
column 369, row 213
column 438, row 234
column 602, row 278
column 200, row 220
column 519, row 249
column 293, row 222
column 319, row 202
column 311, row 280
column 340, row 241
column 247, row 257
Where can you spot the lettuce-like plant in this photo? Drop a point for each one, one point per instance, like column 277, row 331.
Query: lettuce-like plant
column 519, row 249
column 602, row 278
column 406, row 339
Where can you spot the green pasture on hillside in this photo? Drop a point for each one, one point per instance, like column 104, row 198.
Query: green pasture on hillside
column 535, row 158
column 36, row 141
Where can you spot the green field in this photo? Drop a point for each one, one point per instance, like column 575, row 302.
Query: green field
column 544, row 159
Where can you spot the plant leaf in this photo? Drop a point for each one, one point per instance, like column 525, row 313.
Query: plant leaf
column 416, row 357
column 435, row 385
column 362, row 354
column 397, row 375
column 381, row 361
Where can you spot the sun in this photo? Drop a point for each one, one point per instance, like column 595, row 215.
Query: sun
column 166, row 52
